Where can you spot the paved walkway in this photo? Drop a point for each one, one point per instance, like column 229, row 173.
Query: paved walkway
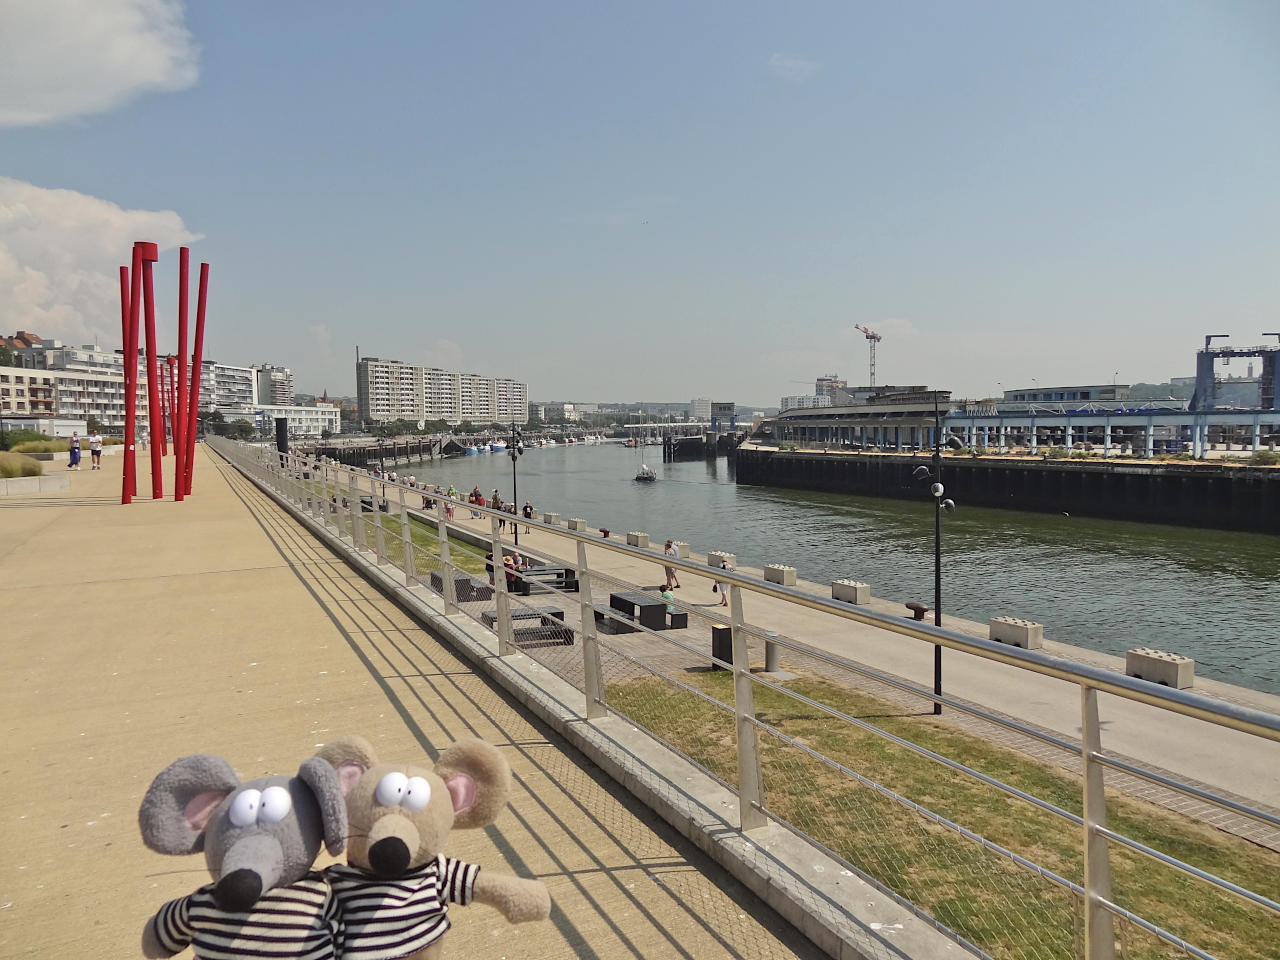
column 135, row 635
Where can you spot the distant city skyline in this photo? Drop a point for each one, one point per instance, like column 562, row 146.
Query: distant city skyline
column 660, row 200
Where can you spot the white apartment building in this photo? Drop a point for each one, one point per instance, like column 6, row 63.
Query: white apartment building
column 24, row 393
column 794, row 403
column 393, row 390
column 87, row 381
column 305, row 420
column 700, row 409
column 275, row 385
column 224, row 386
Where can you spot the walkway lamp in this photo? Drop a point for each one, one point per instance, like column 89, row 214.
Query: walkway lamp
column 940, row 505
column 514, row 450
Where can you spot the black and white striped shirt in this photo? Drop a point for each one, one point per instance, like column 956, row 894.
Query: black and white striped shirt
column 387, row 919
column 300, row 920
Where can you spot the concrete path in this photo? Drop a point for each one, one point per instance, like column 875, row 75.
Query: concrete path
column 135, row 635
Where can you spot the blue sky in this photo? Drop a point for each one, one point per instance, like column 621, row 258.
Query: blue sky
column 657, row 201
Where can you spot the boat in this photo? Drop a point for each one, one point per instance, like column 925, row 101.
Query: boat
column 646, row 474
column 469, row 451
column 498, row 446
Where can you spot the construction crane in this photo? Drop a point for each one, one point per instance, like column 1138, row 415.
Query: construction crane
column 872, row 339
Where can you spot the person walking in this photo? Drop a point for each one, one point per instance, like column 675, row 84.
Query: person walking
column 73, row 451
column 673, row 582
column 722, row 586
column 95, row 450
column 527, row 510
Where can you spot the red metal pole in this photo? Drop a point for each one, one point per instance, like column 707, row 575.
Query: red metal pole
column 180, row 414
column 126, row 493
column 196, row 372
column 154, row 414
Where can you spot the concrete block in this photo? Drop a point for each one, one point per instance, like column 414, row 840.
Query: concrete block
column 553, row 518
column 20, row 485
column 577, row 523
column 638, row 539
column 850, row 591
column 54, row 481
column 1169, row 669
column 714, row 558
column 1021, row 633
column 777, row 573
column 682, row 549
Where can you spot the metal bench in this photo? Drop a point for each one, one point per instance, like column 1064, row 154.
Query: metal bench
column 546, row 616
column 540, row 579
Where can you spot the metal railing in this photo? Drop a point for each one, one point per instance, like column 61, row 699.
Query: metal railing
column 1017, row 860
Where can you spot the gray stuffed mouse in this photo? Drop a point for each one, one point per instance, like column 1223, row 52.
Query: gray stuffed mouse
column 259, row 840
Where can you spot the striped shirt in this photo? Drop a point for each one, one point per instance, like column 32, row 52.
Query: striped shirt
column 300, row 920
column 387, row 919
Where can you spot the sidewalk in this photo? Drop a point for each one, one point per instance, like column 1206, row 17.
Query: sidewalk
column 135, row 635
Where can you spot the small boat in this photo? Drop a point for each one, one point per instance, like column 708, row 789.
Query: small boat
column 646, row 474
column 497, row 446
column 469, row 451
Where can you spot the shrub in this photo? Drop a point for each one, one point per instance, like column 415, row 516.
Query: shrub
column 1265, row 458
column 16, row 465
column 11, row 438
column 1055, row 453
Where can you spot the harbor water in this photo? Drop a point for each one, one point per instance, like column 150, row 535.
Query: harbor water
column 1100, row 584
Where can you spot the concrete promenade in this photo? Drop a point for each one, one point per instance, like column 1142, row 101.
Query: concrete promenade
column 135, row 635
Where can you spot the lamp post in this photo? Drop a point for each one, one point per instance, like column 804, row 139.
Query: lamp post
column 515, row 449
column 939, row 505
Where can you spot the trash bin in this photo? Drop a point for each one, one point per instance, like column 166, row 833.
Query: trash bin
column 721, row 644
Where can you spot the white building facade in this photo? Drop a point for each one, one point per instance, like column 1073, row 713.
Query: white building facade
column 393, row 390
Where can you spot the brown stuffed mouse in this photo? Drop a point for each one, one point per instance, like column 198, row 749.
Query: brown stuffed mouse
column 397, row 885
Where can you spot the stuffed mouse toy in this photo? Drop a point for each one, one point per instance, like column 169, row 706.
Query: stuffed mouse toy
column 260, row 840
column 397, row 885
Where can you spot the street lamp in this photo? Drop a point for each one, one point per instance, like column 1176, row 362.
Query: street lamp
column 940, row 504
column 515, row 449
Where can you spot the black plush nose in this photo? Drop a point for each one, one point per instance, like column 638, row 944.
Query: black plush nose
column 237, row 891
column 389, row 857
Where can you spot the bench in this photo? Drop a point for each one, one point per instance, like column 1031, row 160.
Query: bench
column 541, row 579
column 546, row 616
column 650, row 610
column 614, row 621
column 543, row 635
column 918, row 609
column 678, row 620
column 466, row 587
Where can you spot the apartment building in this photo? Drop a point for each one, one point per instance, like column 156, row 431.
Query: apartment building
column 275, row 385
column 24, row 393
column 393, row 390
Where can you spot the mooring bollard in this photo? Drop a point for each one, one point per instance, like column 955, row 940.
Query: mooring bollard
column 770, row 652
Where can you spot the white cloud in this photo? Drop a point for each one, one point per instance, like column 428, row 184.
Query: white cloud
column 792, row 69
column 60, row 254
column 66, row 58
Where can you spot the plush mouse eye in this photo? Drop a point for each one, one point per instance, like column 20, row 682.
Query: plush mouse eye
column 416, row 795
column 391, row 789
column 244, row 807
column 275, row 805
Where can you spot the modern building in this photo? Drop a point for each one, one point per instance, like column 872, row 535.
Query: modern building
column 1088, row 393
column 87, row 382
column 724, row 417
column 25, row 393
column 305, row 420
column 274, row 385
column 804, row 403
column 393, row 390
column 224, row 386
column 700, row 409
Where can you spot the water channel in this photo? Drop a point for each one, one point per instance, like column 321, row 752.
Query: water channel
column 1100, row 584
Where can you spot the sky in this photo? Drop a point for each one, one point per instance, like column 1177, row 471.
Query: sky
column 659, row 201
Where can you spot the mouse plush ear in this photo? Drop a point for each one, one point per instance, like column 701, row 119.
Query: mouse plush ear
column 479, row 781
column 350, row 756
column 181, row 801
column 322, row 778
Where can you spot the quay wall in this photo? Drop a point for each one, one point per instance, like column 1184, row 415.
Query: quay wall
column 1187, row 494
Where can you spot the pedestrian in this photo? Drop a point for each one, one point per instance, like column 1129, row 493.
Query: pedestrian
column 488, row 566
column 73, row 452
column 95, row 450
column 673, row 582
column 670, row 597
column 527, row 510
column 722, row 586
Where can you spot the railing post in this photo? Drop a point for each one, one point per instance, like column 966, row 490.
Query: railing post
column 750, row 784
column 357, row 513
column 1099, row 924
column 379, row 530
column 593, row 680
column 503, row 602
column 406, row 538
column 449, row 588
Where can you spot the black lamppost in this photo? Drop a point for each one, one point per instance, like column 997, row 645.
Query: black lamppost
column 939, row 505
column 514, row 450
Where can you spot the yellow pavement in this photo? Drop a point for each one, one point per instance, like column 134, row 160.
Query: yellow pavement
column 131, row 636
